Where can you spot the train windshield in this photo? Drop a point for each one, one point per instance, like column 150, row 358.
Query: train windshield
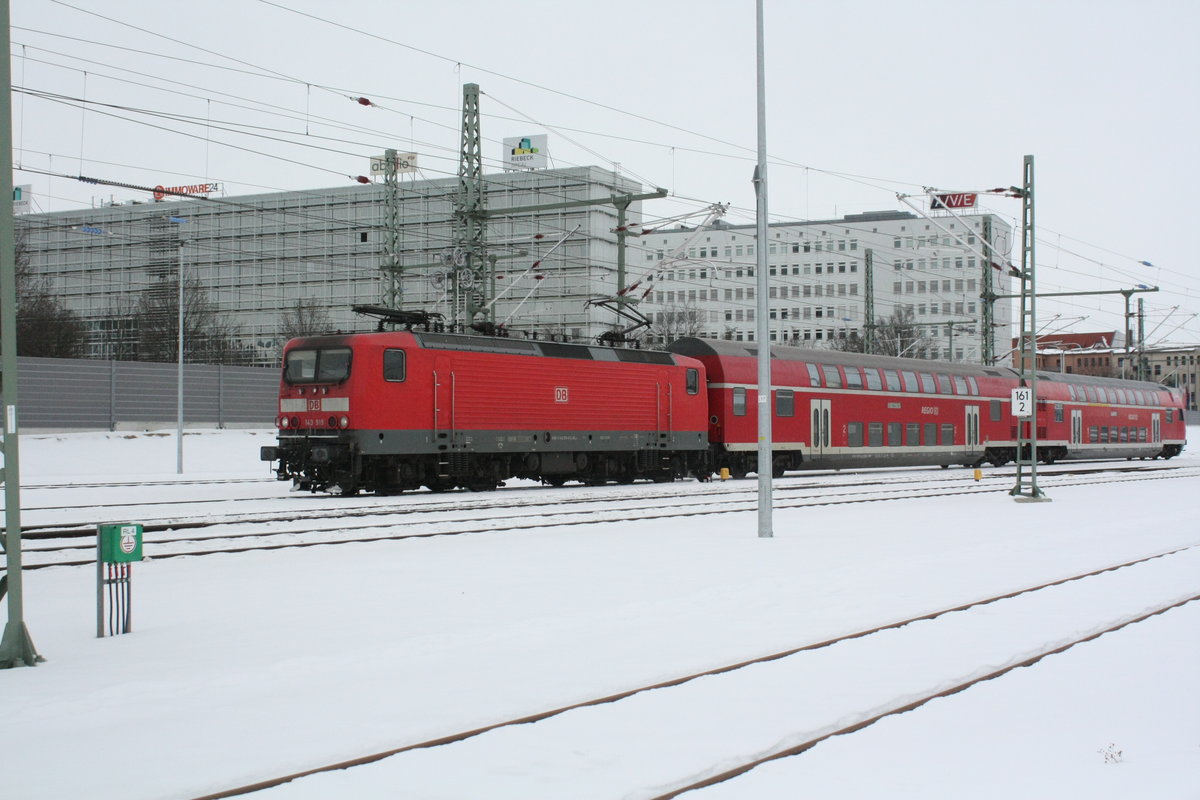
column 320, row 365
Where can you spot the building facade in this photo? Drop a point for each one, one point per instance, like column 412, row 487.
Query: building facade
column 256, row 257
column 824, row 276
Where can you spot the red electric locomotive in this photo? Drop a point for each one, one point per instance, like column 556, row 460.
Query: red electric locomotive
column 390, row 411
column 833, row 409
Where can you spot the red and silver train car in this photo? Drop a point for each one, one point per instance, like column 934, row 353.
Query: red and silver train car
column 833, row 409
column 392, row 411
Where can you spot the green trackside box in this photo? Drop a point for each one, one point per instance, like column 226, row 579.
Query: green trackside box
column 120, row 542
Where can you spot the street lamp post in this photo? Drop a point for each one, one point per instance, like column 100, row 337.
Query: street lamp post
column 179, row 344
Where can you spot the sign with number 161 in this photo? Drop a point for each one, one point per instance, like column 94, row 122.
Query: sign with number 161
column 1022, row 402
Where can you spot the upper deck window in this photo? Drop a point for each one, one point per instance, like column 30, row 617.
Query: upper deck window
column 322, row 365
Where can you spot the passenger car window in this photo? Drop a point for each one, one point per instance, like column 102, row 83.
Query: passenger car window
column 785, row 403
column 892, row 379
column 853, row 378
column 739, row 401
column 875, row 434
column 833, row 378
column 854, row 434
column 947, row 434
column 814, row 375
column 912, row 434
column 910, row 381
column 873, row 381
column 927, row 384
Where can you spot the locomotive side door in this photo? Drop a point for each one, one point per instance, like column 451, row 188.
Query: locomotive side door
column 972, row 423
column 1076, row 426
column 821, row 425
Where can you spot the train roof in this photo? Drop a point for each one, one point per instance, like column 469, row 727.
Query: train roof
column 698, row 348
column 501, row 344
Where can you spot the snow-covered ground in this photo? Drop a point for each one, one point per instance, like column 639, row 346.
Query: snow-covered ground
column 244, row 667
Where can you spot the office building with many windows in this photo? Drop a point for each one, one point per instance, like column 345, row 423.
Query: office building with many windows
column 256, row 259
column 821, row 272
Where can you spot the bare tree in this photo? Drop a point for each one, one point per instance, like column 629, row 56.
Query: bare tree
column 896, row 335
column 852, row 342
column 206, row 339
column 45, row 326
column 305, row 318
column 678, row 321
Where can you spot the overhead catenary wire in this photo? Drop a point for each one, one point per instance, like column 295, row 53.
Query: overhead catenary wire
column 73, row 6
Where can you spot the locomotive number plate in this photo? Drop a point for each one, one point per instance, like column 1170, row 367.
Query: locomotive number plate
column 560, row 394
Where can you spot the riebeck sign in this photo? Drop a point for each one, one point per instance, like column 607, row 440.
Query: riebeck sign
column 526, row 152
column 957, row 200
column 200, row 189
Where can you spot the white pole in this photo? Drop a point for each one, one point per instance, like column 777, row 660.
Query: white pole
column 179, row 379
column 763, row 327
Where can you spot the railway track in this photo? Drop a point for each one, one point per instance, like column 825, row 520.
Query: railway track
column 74, row 546
column 427, row 503
column 655, row 715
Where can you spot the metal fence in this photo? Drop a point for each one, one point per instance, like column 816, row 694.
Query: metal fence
column 79, row 394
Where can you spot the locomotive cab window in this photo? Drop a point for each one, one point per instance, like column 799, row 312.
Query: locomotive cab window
column 323, row 365
column 693, row 381
column 393, row 365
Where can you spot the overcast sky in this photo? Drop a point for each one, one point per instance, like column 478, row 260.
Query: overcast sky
column 865, row 100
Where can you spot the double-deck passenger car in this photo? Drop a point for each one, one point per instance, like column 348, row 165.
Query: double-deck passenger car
column 834, row 409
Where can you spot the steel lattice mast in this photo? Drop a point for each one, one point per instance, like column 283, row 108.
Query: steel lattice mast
column 1027, row 433
column 16, row 647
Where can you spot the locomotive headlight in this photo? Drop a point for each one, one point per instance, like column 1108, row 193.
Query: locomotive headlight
column 295, row 422
column 282, row 422
column 333, row 422
column 344, row 421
